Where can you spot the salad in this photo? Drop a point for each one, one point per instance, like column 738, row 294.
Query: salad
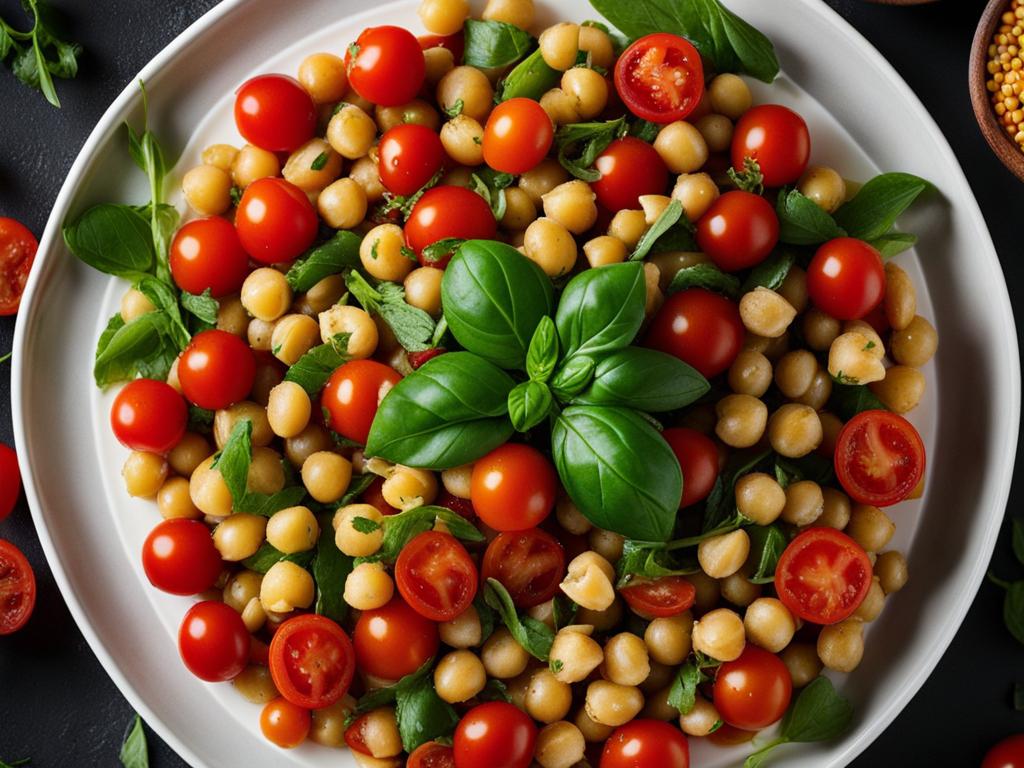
column 514, row 400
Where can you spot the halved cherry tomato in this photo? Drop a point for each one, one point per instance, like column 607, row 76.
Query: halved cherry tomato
column 352, row 395
column 444, row 212
column 410, row 155
column 432, row 755
column 284, row 723
column 436, row 576
column 207, row 254
column 753, row 691
column 17, row 589
column 394, row 641
column 385, row 65
column 517, row 136
column 495, row 735
column 697, row 455
column 738, row 231
column 879, row 458
column 275, row 113
column 660, row 77
column 823, row 576
column 699, row 327
column 530, row 564
column 213, row 642
column 275, row 221
column 629, row 168
column 667, row 596
column 646, row 743
column 1008, row 753
column 513, row 487
column 10, row 480
column 311, row 661
column 846, row 278
column 18, row 249
column 148, row 415
column 777, row 138
column 455, row 43
column 216, row 369
column 179, row 557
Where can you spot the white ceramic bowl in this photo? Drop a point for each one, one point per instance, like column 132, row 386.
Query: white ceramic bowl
column 862, row 118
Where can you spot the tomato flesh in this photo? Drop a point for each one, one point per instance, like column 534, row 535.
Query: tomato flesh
column 529, row 564
column 667, row 596
column 10, row 481
column 436, row 576
column 660, row 78
column 312, row 661
column 823, row 576
column 432, row 755
column 753, row 691
column 879, row 458
column 17, row 589
column 646, row 743
column 18, row 248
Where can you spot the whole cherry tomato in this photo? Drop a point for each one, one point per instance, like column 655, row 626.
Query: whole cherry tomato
column 494, row 735
column 213, row 642
column 275, row 113
column 697, row 455
column 738, row 231
column 753, row 691
column 846, row 279
column 393, row 641
column 216, row 369
column 179, row 557
column 352, row 395
column 148, row 415
column 284, row 723
column 410, row 155
column 646, row 744
column 207, row 254
column 386, row 66
column 777, row 138
column 517, row 136
column 513, row 487
column 629, row 168
column 699, row 327
column 276, row 222
column 445, row 212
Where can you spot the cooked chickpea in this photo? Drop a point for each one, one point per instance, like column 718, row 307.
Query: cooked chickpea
column 577, row 655
column 469, row 85
column 134, row 304
column 613, row 704
column 750, row 374
column 723, row 555
column 654, row 297
column 351, row 541
column 207, row 190
column 794, row 288
column 443, row 17
column 502, row 656
column 292, row 530
column 241, row 588
column 626, row 660
column 542, row 178
column 668, row 639
column 310, row 440
column 588, row 89
column 438, row 62
column 794, row 373
column 226, row 419
column 328, row 724
column 570, row 517
column 559, row 45
column 769, row 624
column 831, row 425
column 220, row 156
column 368, row 586
column 801, row 659
column 771, row 348
column 794, row 430
column 423, row 289
column 406, row 487
column 824, row 186
column 351, row 132
column 900, row 303
column 915, row 344
column 870, row 527
column 325, row 293
column 312, row 166
column 550, row 246
column 873, row 603
column 285, row 587
column 592, row 731
column 766, row 313
column 604, row 250
column 841, row 646
column 294, row 336
column 342, row 204
column 602, row 621
column 382, row 253
column 144, row 473
column 901, row 389
column 255, row 684
column 560, row 744
column 695, row 192
column 741, row 420
column 379, row 730
column 547, row 699
column 252, row 163
column 232, row 317
column 260, row 334
column 326, row 476
column 719, row 634
column 738, row 589
column 729, row 95
column 253, row 616
column 324, row 78
column 588, row 581
column 682, row 147
column 459, row 676
column 653, row 206
column 363, row 336
column 238, row 536
column 458, row 480
column 717, row 131
column 266, row 294
column 835, row 512
column 572, row 205
column 560, row 107
column 520, row 211
column 628, row 226
column 820, row 330
column 804, row 503
column 607, row 544
column 188, row 453
column 701, row 720
column 818, row 393
column 366, row 173
column 208, row 490
column 173, row 500
column 288, row 409
column 464, row 631
column 597, row 45
column 852, row 359
column 462, row 138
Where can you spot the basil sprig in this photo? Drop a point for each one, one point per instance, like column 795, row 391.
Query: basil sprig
column 330, row 258
column 579, row 144
column 534, row 636
column 402, row 528
column 494, row 43
column 531, row 78
column 313, row 369
column 331, row 567
column 233, row 463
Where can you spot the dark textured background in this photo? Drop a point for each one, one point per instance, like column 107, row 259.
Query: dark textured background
column 57, row 705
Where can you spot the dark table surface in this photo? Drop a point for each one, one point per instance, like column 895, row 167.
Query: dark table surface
column 58, row 706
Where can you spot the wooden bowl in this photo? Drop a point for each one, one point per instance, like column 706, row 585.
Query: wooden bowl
column 1006, row 149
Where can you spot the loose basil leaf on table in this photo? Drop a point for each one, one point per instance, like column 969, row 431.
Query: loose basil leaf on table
column 770, row 273
column 876, row 206
column 534, row 636
column 601, row 309
column 313, row 369
column 112, row 238
column 531, row 78
column 644, row 379
column 329, row 258
column 804, row 222
column 494, row 43
column 134, row 751
column 706, row 276
column 529, row 403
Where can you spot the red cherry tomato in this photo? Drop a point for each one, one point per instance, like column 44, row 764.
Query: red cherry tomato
column 445, row 212
column 459, row 506
column 754, row 690
column 513, row 487
column 410, row 155
column 207, row 254
column 823, row 576
column 699, row 327
column 432, row 755
column 275, row 113
column 17, row 589
column 179, row 557
column 517, row 136
column 629, row 168
column 846, row 278
column 530, row 564
column 10, row 480
column 738, row 231
column 148, row 415
column 285, row 724
column 667, row 596
column 436, row 576
column 1008, row 753
column 494, row 735
column 374, row 496
column 311, row 661
column 352, row 395
column 646, row 744
column 879, row 458
column 777, row 138
column 216, row 369
column 660, row 77
column 416, row 359
column 18, row 249
column 385, row 65
column 394, row 641
column 697, row 455
column 276, row 222
column 455, row 43
column 213, row 642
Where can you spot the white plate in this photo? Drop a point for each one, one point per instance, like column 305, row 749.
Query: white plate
column 863, row 118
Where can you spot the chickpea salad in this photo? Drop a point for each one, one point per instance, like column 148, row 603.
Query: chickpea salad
column 516, row 400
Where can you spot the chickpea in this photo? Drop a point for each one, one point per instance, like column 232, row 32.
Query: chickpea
column 520, row 211
column 367, row 761
column 717, row 132
column 769, row 624
column 458, row 480
column 342, row 204
column 266, row 294
column 462, row 138
column 852, row 359
column 220, row 156
column 824, row 186
column 841, row 646
column 560, row 744
column 794, row 430
column 135, row 304
column 326, row 476
column 173, row 500
column 207, row 190
column 328, row 726
column 379, row 731
column 226, row 419
column 351, row 132
column 901, row 389
column 695, row 192
column 255, row 684
column 464, row 631
column 547, row 699
column 208, row 490
column 738, row 589
column 588, row 582
column 459, row 676
column 300, row 170
column 294, row 336
column 723, row 555
column 443, row 17
column 729, row 96
column 820, row 330
column 252, row 163
column 766, row 313
column 750, row 374
column 873, row 603
column 351, row 541
column 670, row 263
column 668, row 639
column 701, row 720
column 613, row 704
column 560, row 107
column 559, row 45
column 801, row 659
column 325, row 293
column 915, row 344
column 794, row 288
column 232, row 317
column 550, row 246
column 771, row 348
column 835, row 511
column 238, row 536
column 653, row 206
column 682, row 147
column 260, row 334
column 592, row 731
column 144, row 473
column 363, row 336
column 900, row 302
column 423, row 289
column 368, row 586
column 292, row 530
column 570, row 517
column 607, row 544
column 604, row 250
column 741, row 420
column 588, row 89
column 655, row 298
column 406, row 487
column 382, row 253
column 597, row 45
column 804, row 503
column 719, row 634
column 266, row 474
column 469, row 85
column 366, row 173
column 572, row 205
column 310, row 440
column 285, row 587
column 602, row 621
column 628, row 226
column 818, row 393
column 324, row 78
column 795, row 373
column 542, row 178
column 626, row 659
column 438, row 62
column 502, row 656
column 870, row 527
column 188, row 453
column 241, row 588
column 288, row 409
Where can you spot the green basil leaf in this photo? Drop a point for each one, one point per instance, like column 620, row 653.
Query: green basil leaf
column 563, row 611
column 618, row 470
column 534, row 636
column 494, row 43
column 165, row 298
column 643, row 560
column 1018, row 540
column 573, row 377
column 495, row 690
column 848, row 400
column 331, row 258
column 818, row 714
column 267, row 555
column 720, row 506
column 770, row 273
column 706, row 276
column 542, row 354
column 494, row 195
column 313, row 369
column 767, row 544
column 234, row 459
column 579, row 144
column 644, row 379
column 114, row 239
column 529, row 403
column 422, row 715
column 1013, row 610
column 135, row 751
column 381, row 697
column 413, row 327
column 813, row 467
column 357, row 487
column 666, row 220
column 266, row 504
column 644, row 130
column 402, row 528
column 683, row 693
column 199, row 419
column 147, row 347
column 204, row 306
column 531, row 78
column 601, row 310
column 893, row 243
column 804, row 222
column 875, row 208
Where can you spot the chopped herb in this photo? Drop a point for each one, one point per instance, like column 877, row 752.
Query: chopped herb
column 319, row 163
column 365, row 525
column 455, row 109
column 750, row 179
column 236, row 195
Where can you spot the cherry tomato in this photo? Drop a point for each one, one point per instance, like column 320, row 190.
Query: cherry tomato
column 629, row 168
column 436, row 576
column 410, row 155
column 352, row 395
column 416, row 359
column 457, row 505
column 879, row 458
column 667, row 596
column 276, row 222
column 355, row 735
column 753, row 691
column 513, row 487
column 660, row 77
column 285, row 724
column 179, row 557
column 494, row 735
column 697, row 455
column 699, row 327
column 216, row 369
column 311, row 661
column 394, row 641
column 517, row 136
column 10, row 480
column 823, row 576
column 738, row 231
column 385, row 65
column 148, row 415
column 213, row 642
column 1008, row 753
column 444, row 212
column 17, row 589
column 207, row 254
column 846, row 278
column 777, row 138
column 432, row 755
column 646, row 743
column 18, row 249
column 530, row 564
column 275, row 113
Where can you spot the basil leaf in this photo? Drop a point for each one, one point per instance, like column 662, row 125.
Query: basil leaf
column 813, row 466
column 531, row 78
column 767, row 544
column 770, row 273
column 412, row 326
column 542, row 354
column 893, row 243
column 422, row 715
column 618, row 470
column 678, row 238
column 644, row 379
column 330, row 258
column 1013, row 610
column 381, row 697
column 875, row 208
column 199, row 419
column 144, row 347
column 804, row 222
column 644, row 130
column 706, row 276
column 357, row 487
column 818, row 714
column 601, row 310
column 573, row 377
column 267, row 555
column 494, row 298
column 114, row 239
column 586, row 141
column 642, row 560
column 534, row 636
column 494, row 43
column 683, row 693
column 720, row 506
column 234, row 459
column 495, row 690
column 495, row 197
column 204, row 306
column 487, row 615
column 313, row 369
column 1018, row 540
column 135, row 751
column 848, row 400
column 266, row 504
column 563, row 611
column 529, row 403
column 403, row 527
column 165, row 298
column 666, row 220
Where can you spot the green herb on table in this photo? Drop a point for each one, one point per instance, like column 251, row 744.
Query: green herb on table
column 134, row 750
column 38, row 55
column 1013, row 601
column 5, row 358
column 16, row 763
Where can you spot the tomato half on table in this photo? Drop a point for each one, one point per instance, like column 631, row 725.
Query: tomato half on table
column 216, row 369
column 285, row 724
column 447, row 211
column 206, row 254
column 701, row 328
column 517, row 136
column 353, row 394
column 660, row 77
column 393, row 641
column 777, row 138
column 658, row 598
column 179, row 557
column 529, row 564
column 697, row 455
column 436, row 576
column 752, row 691
column 646, row 743
column 823, row 576
column 276, row 222
column 385, row 65
column 275, row 113
column 495, row 735
column 629, row 168
column 879, row 458
column 410, row 155
column 148, row 415
column 311, row 661
column 18, row 249
column 432, row 755
column 10, row 480
column 1008, row 753
column 738, row 231
column 17, row 588
column 513, row 487
column 846, row 278
column 213, row 642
